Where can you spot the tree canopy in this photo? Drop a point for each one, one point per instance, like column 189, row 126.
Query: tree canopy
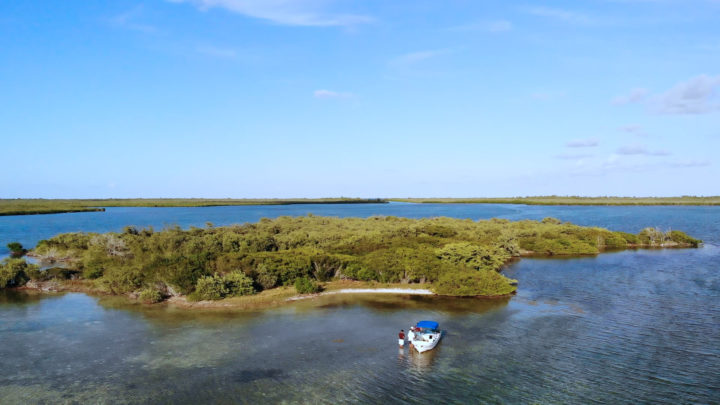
column 458, row 257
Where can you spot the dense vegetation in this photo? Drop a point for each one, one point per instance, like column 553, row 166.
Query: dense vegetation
column 16, row 249
column 572, row 200
column 53, row 206
column 458, row 257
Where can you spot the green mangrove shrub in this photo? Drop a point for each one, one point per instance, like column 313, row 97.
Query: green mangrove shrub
column 150, row 295
column 238, row 283
column 473, row 256
column 305, row 285
column 14, row 272
column 466, row 283
column 16, row 249
column 54, row 273
column 217, row 286
column 210, row 288
column 682, row 237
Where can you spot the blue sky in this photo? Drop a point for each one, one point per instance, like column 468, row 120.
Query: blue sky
column 377, row 98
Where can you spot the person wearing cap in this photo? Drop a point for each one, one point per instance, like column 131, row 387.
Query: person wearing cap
column 401, row 338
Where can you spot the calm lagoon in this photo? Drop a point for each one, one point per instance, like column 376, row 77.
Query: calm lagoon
column 625, row 327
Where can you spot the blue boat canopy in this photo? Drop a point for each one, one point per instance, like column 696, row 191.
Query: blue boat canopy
column 428, row 324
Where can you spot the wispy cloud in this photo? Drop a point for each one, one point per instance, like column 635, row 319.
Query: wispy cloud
column 689, row 163
column 698, row 95
column 627, row 162
column 331, row 94
column 635, row 95
column 613, row 163
column 640, row 150
column 582, row 143
column 633, row 129
column 129, row 20
column 559, row 14
column 309, row 13
column 492, row 26
column 694, row 96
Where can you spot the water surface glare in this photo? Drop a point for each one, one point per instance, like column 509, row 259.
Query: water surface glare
column 625, row 327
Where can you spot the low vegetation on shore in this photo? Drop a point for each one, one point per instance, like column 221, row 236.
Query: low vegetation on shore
column 452, row 256
column 54, row 206
column 572, row 200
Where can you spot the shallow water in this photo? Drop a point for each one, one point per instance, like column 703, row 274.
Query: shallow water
column 625, row 327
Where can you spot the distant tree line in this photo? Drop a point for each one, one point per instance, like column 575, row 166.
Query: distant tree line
column 33, row 206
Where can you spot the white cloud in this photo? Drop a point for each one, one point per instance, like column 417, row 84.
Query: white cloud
column 311, row 13
column 635, row 95
column 331, row 94
column 640, row 150
column 698, row 95
column 582, row 143
column 695, row 96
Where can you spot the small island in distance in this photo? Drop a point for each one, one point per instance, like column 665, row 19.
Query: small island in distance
column 32, row 206
column 22, row 206
column 571, row 200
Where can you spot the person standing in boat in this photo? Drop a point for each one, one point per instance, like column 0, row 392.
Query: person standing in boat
column 401, row 338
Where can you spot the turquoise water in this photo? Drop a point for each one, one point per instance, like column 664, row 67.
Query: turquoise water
column 625, row 327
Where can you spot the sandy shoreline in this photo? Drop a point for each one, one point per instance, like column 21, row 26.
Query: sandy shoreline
column 412, row 291
column 263, row 300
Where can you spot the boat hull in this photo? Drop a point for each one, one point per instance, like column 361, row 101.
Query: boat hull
column 423, row 342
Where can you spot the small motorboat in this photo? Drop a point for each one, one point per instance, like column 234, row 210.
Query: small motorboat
column 425, row 335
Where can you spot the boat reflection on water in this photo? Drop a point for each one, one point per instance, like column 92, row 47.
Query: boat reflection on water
column 423, row 361
column 390, row 303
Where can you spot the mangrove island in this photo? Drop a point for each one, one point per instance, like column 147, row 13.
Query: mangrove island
column 448, row 256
